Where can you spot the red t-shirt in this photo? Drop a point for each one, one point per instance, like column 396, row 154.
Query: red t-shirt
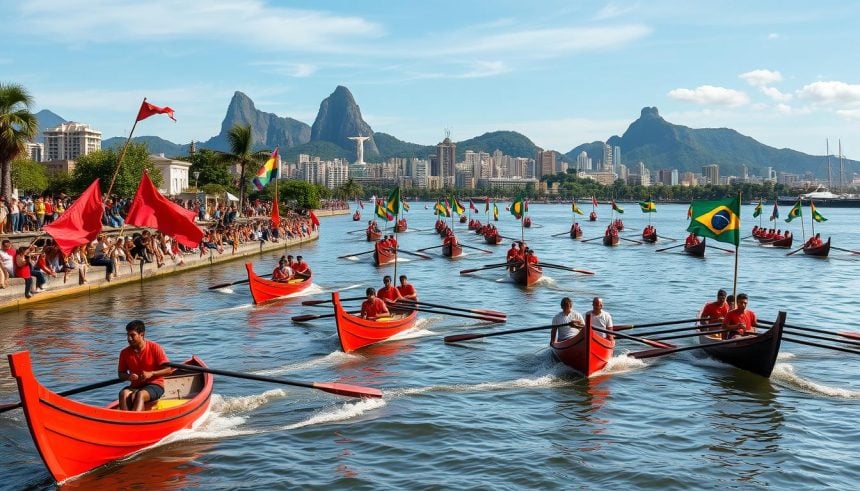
column 746, row 318
column 301, row 267
column 373, row 308
column 388, row 293
column 513, row 255
column 405, row 290
column 714, row 310
column 150, row 358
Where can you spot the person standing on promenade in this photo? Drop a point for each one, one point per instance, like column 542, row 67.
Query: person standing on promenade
column 600, row 318
column 143, row 364
column 572, row 319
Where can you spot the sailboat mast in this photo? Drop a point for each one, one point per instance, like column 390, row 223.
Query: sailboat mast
column 829, row 176
column 841, row 169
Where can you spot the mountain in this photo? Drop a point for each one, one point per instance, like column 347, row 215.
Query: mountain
column 155, row 145
column 509, row 142
column 390, row 146
column 47, row 120
column 268, row 129
column 660, row 144
column 339, row 118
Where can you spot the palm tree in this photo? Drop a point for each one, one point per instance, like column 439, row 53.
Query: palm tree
column 242, row 153
column 17, row 126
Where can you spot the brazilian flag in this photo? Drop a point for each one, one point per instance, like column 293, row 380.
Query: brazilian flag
column 495, row 213
column 648, row 206
column 818, row 217
column 518, row 207
column 758, row 209
column 575, row 208
column 457, row 207
column 717, row 219
column 441, row 210
column 795, row 212
column 393, row 203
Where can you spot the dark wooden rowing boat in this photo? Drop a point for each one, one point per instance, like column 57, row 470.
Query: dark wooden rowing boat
column 356, row 216
column 756, row 353
column 73, row 438
column 782, row 243
column 610, row 239
column 821, row 251
column 452, row 251
column 587, row 352
column 263, row 290
column 463, row 218
column 697, row 250
column 575, row 232
column 649, row 238
column 527, row 222
column 526, row 276
column 592, row 217
column 493, row 239
column 383, row 254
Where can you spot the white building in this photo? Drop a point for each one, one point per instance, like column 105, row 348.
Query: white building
column 336, row 173
column 36, row 152
column 71, row 140
column 174, row 174
column 583, row 162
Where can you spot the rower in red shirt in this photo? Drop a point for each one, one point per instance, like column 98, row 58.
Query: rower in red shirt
column 715, row 311
column 282, row 272
column 373, row 307
column 301, row 268
column 530, row 256
column 388, row 292
column 741, row 319
column 691, row 240
column 406, row 289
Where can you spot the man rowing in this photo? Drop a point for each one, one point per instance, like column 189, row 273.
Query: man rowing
column 513, row 253
column 406, row 289
column 692, row 240
column 142, row 363
column 600, row 318
column 388, row 292
column 282, row 273
column 373, row 307
column 741, row 319
column 571, row 319
column 715, row 311
column 301, row 268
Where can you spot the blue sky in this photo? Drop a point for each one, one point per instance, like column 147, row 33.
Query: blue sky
column 560, row 72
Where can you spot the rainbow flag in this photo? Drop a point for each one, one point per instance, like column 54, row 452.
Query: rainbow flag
column 267, row 172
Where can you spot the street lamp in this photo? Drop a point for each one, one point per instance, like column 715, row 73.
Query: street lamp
column 196, row 177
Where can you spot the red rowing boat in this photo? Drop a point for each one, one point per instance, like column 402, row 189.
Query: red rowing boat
column 525, row 276
column 463, row 218
column 373, row 235
column 383, row 254
column 592, row 217
column 587, row 352
column 610, row 239
column 263, row 290
column 452, row 251
column 400, row 226
column 355, row 332
column 73, row 438
column 527, row 222
column 493, row 239
column 575, row 231
column 821, row 251
column 697, row 250
column 356, row 216
column 649, row 237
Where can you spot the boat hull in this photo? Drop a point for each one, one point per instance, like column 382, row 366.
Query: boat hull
column 355, row 332
column 527, row 222
column 756, row 354
column 356, row 216
column 526, row 276
column 263, row 290
column 493, row 239
column 373, row 236
column 463, row 219
column 383, row 255
column 610, row 240
column 575, row 234
column 592, row 217
column 821, row 251
column 697, row 250
column 452, row 251
column 73, row 438
column 401, row 227
column 587, row 352
column 649, row 238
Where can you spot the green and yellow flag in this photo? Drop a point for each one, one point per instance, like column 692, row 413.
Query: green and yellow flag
column 441, row 210
column 495, row 212
column 758, row 209
column 382, row 212
column 818, row 217
column 575, row 208
column 617, row 208
column 648, row 206
column 518, row 207
column 717, row 219
column 795, row 212
column 393, row 203
column 456, row 207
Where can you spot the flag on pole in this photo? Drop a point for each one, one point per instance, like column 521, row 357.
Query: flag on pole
column 81, row 222
column 487, row 205
column 718, row 219
column 594, row 201
column 690, row 211
column 151, row 209
column 147, row 110
column 382, row 213
column 360, row 204
column 775, row 213
column 456, row 207
column 276, row 212
column 526, row 205
column 758, row 209
column 495, row 212
column 818, row 217
column 472, row 206
column 648, row 206
column 575, row 208
column 267, row 172
column 441, row 209
column 518, row 207
column 616, row 207
column 392, row 206
column 795, row 212
column 405, row 206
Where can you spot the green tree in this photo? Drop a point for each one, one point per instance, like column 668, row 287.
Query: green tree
column 242, row 153
column 212, row 169
column 29, row 176
column 349, row 190
column 103, row 164
column 300, row 194
column 60, row 183
column 17, row 126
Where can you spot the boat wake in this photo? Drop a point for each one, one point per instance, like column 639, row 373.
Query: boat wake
column 314, row 289
column 621, row 364
column 342, row 412
column 783, row 375
column 548, row 282
column 330, row 359
column 547, row 380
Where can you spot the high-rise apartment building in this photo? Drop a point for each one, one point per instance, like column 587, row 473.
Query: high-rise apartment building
column 583, row 163
column 446, row 156
column 607, row 158
column 616, row 157
column 71, row 140
column 36, row 152
column 711, row 173
column 545, row 164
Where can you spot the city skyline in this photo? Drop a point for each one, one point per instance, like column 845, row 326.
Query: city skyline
column 560, row 74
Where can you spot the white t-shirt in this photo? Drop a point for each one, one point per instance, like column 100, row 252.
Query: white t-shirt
column 8, row 263
column 602, row 320
column 565, row 332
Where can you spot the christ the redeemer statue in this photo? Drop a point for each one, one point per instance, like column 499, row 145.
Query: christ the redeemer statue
column 359, row 148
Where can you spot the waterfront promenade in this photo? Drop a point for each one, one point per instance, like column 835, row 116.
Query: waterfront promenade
column 12, row 297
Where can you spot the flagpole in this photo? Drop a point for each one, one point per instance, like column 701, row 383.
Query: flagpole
column 811, row 218
column 122, row 154
column 737, row 252
column 396, row 215
column 800, row 204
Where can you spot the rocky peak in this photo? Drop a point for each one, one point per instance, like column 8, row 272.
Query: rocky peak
column 339, row 118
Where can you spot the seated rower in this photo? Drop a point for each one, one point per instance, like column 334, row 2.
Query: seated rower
column 567, row 322
column 282, row 272
column 301, row 268
column 691, row 240
column 388, row 292
column 513, row 253
column 741, row 319
column 530, row 256
column 714, row 312
column 406, row 289
column 373, row 307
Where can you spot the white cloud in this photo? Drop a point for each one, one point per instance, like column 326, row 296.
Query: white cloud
column 710, row 95
column 775, row 94
column 612, row 10
column 761, row 77
column 783, row 108
column 773, row 35
column 832, row 92
column 486, row 69
column 849, row 113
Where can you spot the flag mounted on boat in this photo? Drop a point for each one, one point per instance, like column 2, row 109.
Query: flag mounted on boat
column 818, row 217
column 472, row 206
column 81, row 222
column 795, row 212
column 495, row 212
column 518, row 207
column 594, row 201
column 360, row 204
column 487, row 205
column 575, row 208
column 456, row 207
column 147, row 110
column 758, row 209
column 267, row 172
column 405, row 206
column 151, row 209
column 648, row 206
column 382, row 213
column 616, row 207
column 392, row 206
column 690, row 211
column 775, row 213
column 717, row 219
column 441, row 210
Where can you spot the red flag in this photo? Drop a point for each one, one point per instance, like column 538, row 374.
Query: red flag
column 151, row 209
column 594, row 201
column 487, row 205
column 81, row 222
column 276, row 213
column 147, row 110
column 316, row 221
column 472, row 206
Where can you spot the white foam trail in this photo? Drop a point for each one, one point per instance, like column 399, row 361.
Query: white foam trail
column 548, row 380
column 341, row 413
column 314, row 289
column 244, row 306
column 621, row 364
column 226, row 290
column 330, row 359
column 783, row 374
column 245, row 404
column 783, row 355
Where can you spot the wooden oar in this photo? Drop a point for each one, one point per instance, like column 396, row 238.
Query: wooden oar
column 798, row 250
column 677, row 329
column 493, row 313
column 330, row 387
column 721, row 249
column 844, row 250
column 455, row 338
column 852, row 335
column 649, row 342
column 224, row 285
column 428, row 248
column 488, row 266
column 660, row 352
column 476, row 248
column 320, row 302
column 509, row 238
column 631, row 240
column 564, row 268
column 667, row 248
column 405, row 308
column 70, row 392
column 667, row 238
column 356, row 254
column 593, row 238
column 311, row 317
column 624, row 327
column 818, row 345
column 422, row 256
column 747, row 237
column 794, row 332
column 690, row 335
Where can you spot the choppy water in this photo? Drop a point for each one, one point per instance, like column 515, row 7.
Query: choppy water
column 488, row 414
